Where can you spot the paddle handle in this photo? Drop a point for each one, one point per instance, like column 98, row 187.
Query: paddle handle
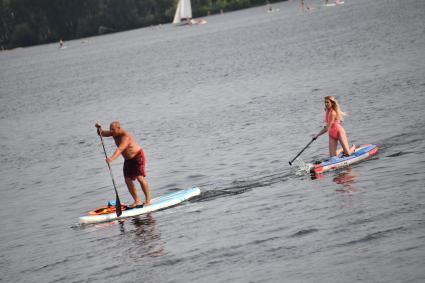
column 117, row 198
column 312, row 140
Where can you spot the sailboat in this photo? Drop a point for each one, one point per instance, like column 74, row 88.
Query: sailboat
column 183, row 13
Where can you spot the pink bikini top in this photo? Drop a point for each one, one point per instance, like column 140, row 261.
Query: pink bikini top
column 327, row 117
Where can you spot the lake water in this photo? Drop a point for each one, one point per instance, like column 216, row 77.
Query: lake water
column 223, row 106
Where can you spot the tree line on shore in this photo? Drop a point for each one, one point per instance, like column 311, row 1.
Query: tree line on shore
column 31, row 22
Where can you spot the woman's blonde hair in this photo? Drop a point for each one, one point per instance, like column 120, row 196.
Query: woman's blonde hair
column 335, row 106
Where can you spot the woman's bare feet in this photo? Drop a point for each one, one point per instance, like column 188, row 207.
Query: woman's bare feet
column 352, row 148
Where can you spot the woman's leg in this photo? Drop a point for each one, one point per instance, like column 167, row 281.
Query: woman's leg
column 333, row 143
column 342, row 136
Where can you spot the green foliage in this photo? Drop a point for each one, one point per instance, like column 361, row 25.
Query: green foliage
column 28, row 22
column 23, row 35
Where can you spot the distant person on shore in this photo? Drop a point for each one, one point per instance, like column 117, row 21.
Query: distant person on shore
column 336, row 132
column 134, row 160
column 304, row 7
column 269, row 6
column 197, row 22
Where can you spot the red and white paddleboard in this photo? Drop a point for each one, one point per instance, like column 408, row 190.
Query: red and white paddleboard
column 362, row 152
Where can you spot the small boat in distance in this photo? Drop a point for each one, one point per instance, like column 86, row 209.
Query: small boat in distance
column 183, row 13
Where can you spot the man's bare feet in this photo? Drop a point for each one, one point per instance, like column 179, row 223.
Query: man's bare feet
column 135, row 204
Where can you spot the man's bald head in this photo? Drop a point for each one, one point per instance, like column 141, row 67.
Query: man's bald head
column 115, row 128
column 115, row 124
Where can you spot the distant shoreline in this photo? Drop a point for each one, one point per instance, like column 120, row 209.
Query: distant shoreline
column 91, row 18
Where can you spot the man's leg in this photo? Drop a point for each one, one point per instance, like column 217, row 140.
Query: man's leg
column 145, row 188
column 132, row 189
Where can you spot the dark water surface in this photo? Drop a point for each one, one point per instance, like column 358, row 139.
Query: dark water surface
column 223, row 106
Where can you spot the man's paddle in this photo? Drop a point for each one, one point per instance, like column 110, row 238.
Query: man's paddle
column 117, row 198
column 290, row 162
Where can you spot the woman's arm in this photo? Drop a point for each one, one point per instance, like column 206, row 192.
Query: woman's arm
column 328, row 125
column 322, row 131
column 331, row 121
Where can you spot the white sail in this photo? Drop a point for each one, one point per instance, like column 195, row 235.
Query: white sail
column 183, row 12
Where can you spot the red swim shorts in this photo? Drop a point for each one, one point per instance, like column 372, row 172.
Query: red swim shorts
column 136, row 166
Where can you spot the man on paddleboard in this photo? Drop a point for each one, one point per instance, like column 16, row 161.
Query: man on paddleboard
column 134, row 160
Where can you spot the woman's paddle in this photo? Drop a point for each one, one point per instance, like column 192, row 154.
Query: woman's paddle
column 117, row 198
column 290, row 162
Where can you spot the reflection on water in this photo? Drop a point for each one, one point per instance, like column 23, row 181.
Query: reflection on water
column 145, row 237
column 346, row 179
column 140, row 233
column 226, row 117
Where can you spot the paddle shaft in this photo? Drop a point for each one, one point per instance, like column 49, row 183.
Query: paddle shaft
column 117, row 198
column 290, row 162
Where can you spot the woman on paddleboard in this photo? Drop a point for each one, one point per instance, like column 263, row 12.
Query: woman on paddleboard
column 333, row 117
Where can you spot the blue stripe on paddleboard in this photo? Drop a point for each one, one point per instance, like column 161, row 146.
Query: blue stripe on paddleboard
column 335, row 160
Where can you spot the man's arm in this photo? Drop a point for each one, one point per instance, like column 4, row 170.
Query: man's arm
column 102, row 132
column 125, row 141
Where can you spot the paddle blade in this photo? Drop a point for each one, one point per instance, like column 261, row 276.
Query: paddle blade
column 118, row 206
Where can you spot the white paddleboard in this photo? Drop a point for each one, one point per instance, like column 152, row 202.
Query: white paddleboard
column 158, row 203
